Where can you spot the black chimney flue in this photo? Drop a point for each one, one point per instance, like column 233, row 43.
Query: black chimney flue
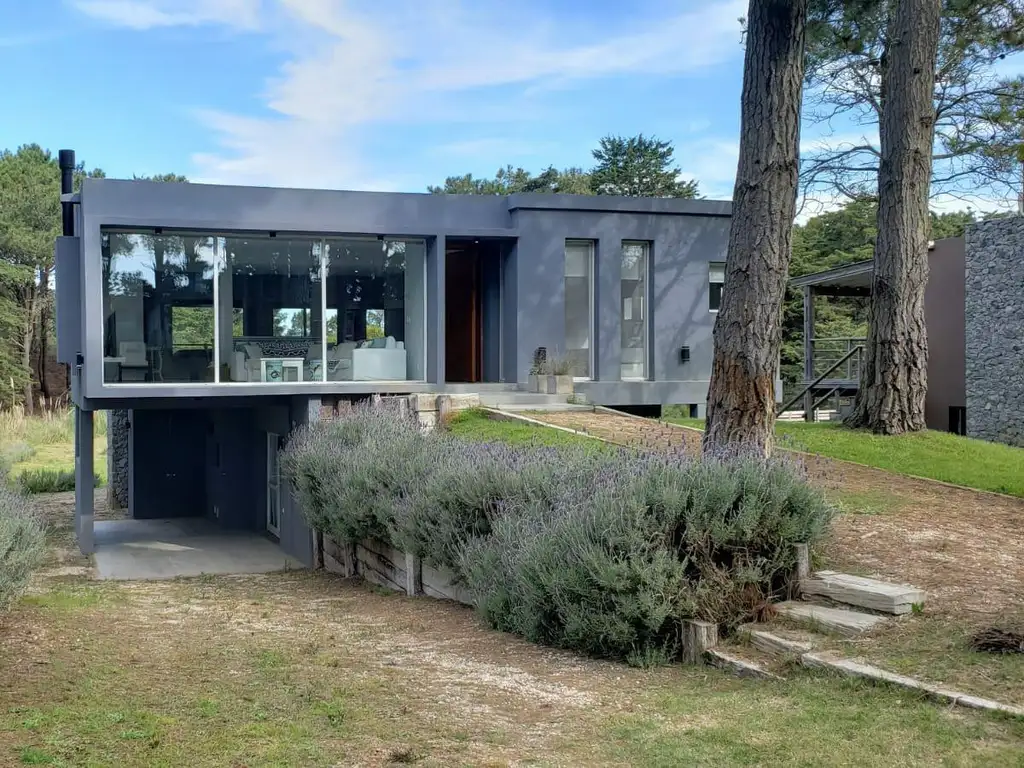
column 66, row 160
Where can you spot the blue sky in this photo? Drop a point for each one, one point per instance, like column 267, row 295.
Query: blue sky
column 379, row 94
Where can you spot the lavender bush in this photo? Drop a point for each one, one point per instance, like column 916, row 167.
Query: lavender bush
column 22, row 542
column 602, row 552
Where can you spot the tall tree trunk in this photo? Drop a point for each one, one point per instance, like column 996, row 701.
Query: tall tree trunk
column 741, row 401
column 27, row 338
column 43, row 333
column 894, row 372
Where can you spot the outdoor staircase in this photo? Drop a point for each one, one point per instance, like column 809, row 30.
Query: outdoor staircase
column 829, row 604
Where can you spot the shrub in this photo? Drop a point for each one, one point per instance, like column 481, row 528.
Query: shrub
column 21, row 545
column 605, row 552
column 46, row 480
column 15, row 453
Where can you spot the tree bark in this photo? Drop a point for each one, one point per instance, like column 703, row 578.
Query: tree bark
column 894, row 370
column 741, row 397
column 43, row 334
column 27, row 338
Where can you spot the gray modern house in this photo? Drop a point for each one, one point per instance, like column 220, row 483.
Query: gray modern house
column 216, row 319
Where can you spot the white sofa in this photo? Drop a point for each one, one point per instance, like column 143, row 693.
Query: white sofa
column 362, row 361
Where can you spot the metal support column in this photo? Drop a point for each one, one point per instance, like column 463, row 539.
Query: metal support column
column 84, row 481
column 808, row 351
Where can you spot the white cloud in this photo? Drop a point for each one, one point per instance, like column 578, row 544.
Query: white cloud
column 146, row 14
column 712, row 162
column 354, row 65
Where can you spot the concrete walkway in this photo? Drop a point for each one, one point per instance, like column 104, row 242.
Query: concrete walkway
column 165, row 549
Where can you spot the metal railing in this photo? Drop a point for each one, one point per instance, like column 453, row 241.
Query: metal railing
column 856, row 351
column 825, row 353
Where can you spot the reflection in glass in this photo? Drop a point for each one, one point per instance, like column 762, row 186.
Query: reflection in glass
column 376, row 310
column 173, row 303
column 579, row 259
column 634, row 300
column 158, row 310
column 270, row 310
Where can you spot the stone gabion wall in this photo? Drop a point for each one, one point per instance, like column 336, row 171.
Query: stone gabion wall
column 117, row 459
column 994, row 310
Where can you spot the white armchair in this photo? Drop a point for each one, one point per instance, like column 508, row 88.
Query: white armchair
column 245, row 363
column 134, row 362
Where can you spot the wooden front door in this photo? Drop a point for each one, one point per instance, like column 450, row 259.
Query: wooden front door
column 463, row 337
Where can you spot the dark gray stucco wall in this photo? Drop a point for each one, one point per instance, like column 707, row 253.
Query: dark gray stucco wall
column 510, row 315
column 686, row 235
column 682, row 247
column 490, row 304
column 994, row 308
column 296, row 535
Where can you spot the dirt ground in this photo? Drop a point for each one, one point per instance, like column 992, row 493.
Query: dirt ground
column 305, row 669
column 964, row 548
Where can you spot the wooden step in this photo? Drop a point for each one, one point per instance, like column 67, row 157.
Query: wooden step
column 838, row 620
column 777, row 641
column 740, row 665
column 873, row 594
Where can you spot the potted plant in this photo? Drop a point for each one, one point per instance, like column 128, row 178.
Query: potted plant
column 538, row 382
column 559, row 372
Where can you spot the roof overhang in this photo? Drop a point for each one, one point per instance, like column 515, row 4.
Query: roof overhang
column 852, row 279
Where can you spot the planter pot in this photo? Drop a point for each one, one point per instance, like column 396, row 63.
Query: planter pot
column 559, row 385
column 537, row 383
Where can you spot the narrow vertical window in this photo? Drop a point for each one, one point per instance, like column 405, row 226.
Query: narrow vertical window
column 579, row 305
column 634, row 309
column 716, row 281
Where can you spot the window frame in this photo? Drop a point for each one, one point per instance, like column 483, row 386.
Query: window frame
column 714, row 267
column 591, row 279
column 645, row 308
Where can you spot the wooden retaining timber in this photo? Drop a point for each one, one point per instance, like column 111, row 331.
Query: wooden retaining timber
column 379, row 563
column 854, row 668
column 872, row 594
column 835, row 620
column 738, row 665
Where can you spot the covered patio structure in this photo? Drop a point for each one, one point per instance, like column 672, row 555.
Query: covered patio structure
column 831, row 364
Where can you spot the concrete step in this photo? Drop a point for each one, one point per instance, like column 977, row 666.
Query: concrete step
column 504, row 400
column 778, row 641
column 838, row 620
column 873, row 594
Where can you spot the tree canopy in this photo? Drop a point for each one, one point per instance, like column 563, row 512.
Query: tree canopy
column 979, row 114
column 638, row 166
column 30, row 222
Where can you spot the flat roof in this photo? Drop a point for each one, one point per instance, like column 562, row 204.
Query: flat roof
column 857, row 275
column 537, row 201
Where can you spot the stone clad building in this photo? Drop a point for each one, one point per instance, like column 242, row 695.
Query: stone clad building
column 994, row 310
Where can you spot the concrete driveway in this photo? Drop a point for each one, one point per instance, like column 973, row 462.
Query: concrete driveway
column 165, row 549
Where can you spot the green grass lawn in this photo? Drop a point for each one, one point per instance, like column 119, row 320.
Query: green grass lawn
column 187, row 672
column 935, row 455
column 47, row 441
column 477, row 424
